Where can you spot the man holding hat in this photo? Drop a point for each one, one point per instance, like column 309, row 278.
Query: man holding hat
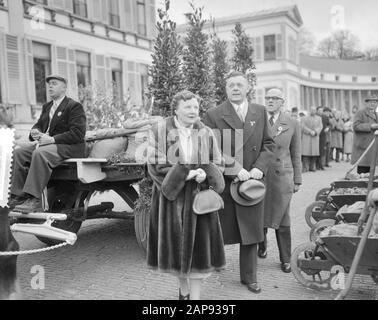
column 284, row 176
column 58, row 135
column 247, row 146
column 364, row 124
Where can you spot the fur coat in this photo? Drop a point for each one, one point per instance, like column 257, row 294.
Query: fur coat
column 179, row 241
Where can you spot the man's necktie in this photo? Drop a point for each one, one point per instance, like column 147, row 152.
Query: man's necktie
column 51, row 115
column 240, row 113
column 271, row 120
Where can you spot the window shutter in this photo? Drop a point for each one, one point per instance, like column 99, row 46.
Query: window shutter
column 68, row 5
column 279, row 46
column 100, row 70
column 150, row 18
column 96, row 10
column 129, row 23
column 258, row 53
column 131, row 82
column 13, row 68
column 62, row 4
column 108, row 74
column 66, row 66
column 29, row 64
column 105, row 11
column 72, row 75
column 138, row 87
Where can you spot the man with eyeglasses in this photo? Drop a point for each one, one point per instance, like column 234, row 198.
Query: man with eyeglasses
column 284, row 176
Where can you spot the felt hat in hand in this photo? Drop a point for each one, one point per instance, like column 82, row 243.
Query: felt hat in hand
column 248, row 193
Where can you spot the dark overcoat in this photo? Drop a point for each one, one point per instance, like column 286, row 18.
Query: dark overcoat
column 284, row 172
column 363, row 135
column 249, row 145
column 68, row 127
column 180, row 242
column 337, row 127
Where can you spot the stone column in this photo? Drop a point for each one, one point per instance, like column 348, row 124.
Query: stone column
column 350, row 101
column 333, row 99
column 360, row 99
column 326, row 98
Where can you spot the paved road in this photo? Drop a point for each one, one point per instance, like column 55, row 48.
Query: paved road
column 106, row 263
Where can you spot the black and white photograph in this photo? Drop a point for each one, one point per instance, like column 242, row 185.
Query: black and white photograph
column 174, row 152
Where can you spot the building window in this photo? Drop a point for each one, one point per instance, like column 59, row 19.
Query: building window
column 116, row 66
column 321, row 76
column 354, row 79
column 142, row 28
column 373, row 79
column 270, row 47
column 83, row 65
column 337, row 78
column 80, row 8
column 42, row 68
column 309, row 74
column 114, row 19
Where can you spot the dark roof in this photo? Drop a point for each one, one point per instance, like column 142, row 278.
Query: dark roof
column 290, row 11
column 337, row 66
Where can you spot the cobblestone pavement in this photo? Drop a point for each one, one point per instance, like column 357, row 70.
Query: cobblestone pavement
column 106, row 263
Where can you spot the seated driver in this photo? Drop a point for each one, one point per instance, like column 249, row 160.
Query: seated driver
column 58, row 135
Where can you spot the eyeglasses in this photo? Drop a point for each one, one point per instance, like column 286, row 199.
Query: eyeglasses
column 272, row 98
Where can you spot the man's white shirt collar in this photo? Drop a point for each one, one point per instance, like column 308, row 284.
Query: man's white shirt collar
column 58, row 102
column 243, row 107
column 276, row 115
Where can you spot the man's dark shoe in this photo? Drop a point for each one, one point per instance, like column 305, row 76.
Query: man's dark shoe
column 253, row 287
column 29, row 206
column 16, row 201
column 181, row 297
column 262, row 254
column 286, row 267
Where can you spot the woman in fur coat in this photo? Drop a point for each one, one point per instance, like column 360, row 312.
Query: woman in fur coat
column 183, row 156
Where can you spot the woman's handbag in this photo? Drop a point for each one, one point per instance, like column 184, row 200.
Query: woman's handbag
column 207, row 201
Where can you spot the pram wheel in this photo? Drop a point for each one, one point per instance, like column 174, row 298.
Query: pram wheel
column 322, row 194
column 319, row 227
column 317, row 211
column 302, row 259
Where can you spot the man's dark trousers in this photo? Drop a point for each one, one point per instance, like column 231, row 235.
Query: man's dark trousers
column 32, row 168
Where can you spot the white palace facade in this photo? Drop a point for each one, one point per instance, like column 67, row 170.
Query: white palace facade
column 87, row 41
column 305, row 80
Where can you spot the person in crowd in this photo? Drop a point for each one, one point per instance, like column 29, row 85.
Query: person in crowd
column 284, row 177
column 337, row 127
column 184, row 158
column 311, row 128
column 58, row 135
column 248, row 157
column 365, row 122
column 321, row 161
column 327, row 121
column 348, row 137
column 294, row 113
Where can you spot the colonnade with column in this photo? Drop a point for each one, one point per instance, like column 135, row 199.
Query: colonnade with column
column 343, row 100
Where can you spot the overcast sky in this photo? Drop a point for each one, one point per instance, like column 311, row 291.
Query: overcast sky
column 361, row 17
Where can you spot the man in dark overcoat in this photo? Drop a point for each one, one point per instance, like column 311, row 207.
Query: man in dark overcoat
column 284, row 176
column 247, row 146
column 58, row 135
column 364, row 123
